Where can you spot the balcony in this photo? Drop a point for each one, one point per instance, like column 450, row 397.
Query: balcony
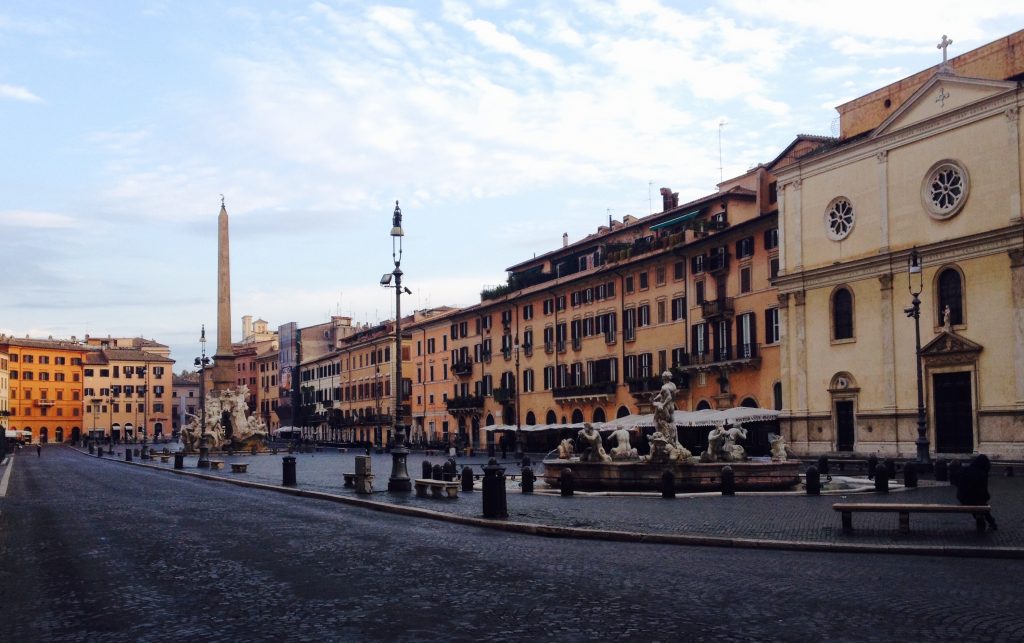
column 715, row 309
column 465, row 403
column 43, row 402
column 716, row 262
column 373, row 419
column 463, row 368
column 504, row 395
column 644, row 387
column 735, row 357
column 596, row 391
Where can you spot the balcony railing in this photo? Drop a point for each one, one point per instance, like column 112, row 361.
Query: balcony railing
column 716, row 262
column 462, row 368
column 465, row 402
column 503, row 395
column 716, row 308
column 585, row 390
column 739, row 353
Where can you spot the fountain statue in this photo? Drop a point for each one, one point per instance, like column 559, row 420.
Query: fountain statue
column 244, row 431
column 778, row 447
column 591, row 446
column 722, row 445
column 622, row 449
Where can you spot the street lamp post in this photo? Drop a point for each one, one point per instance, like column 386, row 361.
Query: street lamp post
column 516, row 383
column 915, row 284
column 202, row 362
column 399, row 480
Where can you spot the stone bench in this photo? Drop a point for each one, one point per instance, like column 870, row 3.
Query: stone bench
column 165, row 458
column 239, row 467
column 436, row 487
column 350, row 479
column 216, row 464
column 904, row 510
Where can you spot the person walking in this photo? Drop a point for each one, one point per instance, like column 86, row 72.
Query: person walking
column 39, row 450
column 972, row 489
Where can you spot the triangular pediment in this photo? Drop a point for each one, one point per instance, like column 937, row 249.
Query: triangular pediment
column 942, row 94
column 949, row 343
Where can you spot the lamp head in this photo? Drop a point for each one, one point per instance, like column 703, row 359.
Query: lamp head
column 915, row 278
column 396, row 222
column 385, row 279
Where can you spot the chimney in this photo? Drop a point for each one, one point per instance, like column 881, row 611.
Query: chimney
column 246, row 326
column 629, row 218
column 669, row 199
column 565, row 239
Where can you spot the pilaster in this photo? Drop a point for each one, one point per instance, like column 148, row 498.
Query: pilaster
column 798, row 229
column 782, row 232
column 1017, row 287
column 888, row 341
column 800, row 346
column 1013, row 140
column 883, row 201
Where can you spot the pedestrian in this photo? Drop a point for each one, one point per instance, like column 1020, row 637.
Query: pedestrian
column 39, row 450
column 972, row 489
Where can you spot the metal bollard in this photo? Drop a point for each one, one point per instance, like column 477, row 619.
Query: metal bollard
column 881, row 479
column 92, row 448
column 728, row 481
column 438, row 473
column 179, row 460
column 495, row 503
column 448, row 470
column 909, row 474
column 528, row 478
column 668, row 484
column 954, row 472
column 567, row 482
column 288, row 471
column 813, row 481
column 823, row 466
column 428, row 470
column 941, row 471
column 467, row 479
column 872, row 464
column 525, row 462
column 890, row 468
column 99, row 452
column 127, row 455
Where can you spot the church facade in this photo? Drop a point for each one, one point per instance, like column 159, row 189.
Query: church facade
column 922, row 194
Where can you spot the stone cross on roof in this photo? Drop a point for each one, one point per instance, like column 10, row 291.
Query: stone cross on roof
column 945, row 43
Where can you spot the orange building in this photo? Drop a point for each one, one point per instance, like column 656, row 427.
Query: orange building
column 46, row 387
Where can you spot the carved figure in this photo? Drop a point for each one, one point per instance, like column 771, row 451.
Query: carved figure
column 778, row 447
column 722, row 445
column 664, row 403
column 663, row 451
column 591, row 446
column 622, row 450
column 565, row 449
column 244, row 430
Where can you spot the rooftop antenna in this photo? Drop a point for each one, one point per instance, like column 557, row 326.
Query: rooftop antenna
column 721, row 124
column 609, row 211
column 650, row 200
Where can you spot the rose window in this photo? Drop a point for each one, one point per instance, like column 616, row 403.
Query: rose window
column 839, row 219
column 945, row 189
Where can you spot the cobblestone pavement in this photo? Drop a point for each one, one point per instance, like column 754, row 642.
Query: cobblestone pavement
column 93, row 551
column 758, row 516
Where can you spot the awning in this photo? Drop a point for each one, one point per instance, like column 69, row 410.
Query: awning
column 675, row 220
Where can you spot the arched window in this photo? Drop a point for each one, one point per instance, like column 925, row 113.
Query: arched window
column 551, row 418
column 703, row 405
column 490, row 420
column 577, row 416
column 777, row 395
column 599, row 414
column 749, row 403
column 531, row 419
column 622, row 412
column 951, row 293
column 842, row 314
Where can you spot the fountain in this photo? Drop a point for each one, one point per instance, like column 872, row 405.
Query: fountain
column 593, row 468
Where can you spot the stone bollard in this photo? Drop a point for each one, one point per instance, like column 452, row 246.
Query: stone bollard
column 823, row 466
column 495, row 502
column 127, row 455
column 941, row 471
column 179, row 460
column 813, row 481
column 92, row 448
column 954, row 472
column 525, row 462
column 448, row 470
column 364, row 474
column 428, row 470
column 99, row 452
column 528, row 478
column 881, row 479
column 438, row 473
column 253, row 450
column 909, row 474
column 467, row 479
column 668, row 484
column 136, row 452
column 890, row 468
column 288, row 471
column 872, row 464
column 728, row 481
column 567, row 482
column 490, row 450
column 145, row 453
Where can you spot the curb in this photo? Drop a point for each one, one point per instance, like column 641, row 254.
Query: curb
column 553, row 531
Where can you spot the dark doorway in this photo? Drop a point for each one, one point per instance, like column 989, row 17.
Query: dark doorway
column 954, row 415
column 76, row 434
column 844, row 425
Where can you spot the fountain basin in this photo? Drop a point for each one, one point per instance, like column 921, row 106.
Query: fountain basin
column 634, row 475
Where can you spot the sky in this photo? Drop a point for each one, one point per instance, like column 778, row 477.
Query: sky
column 498, row 125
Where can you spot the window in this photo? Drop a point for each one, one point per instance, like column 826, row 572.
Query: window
column 773, row 267
column 771, row 326
column 773, row 192
column 699, row 341
column 745, row 247
column 944, row 189
column 679, row 270
column 560, row 303
column 678, row 308
column 661, row 311
column 746, row 336
column 643, row 315
column 629, row 324
column 644, row 285
column 745, row 279
column 839, row 219
column 699, row 286
column 697, row 264
column 950, row 294
column 549, row 377
column 659, row 275
column 842, row 314
column 430, row 346
column 771, row 239
column 528, row 312
column 629, row 284
column 528, row 380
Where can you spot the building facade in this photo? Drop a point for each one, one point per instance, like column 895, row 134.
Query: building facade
column 922, row 195
column 46, row 387
column 185, row 397
column 128, row 393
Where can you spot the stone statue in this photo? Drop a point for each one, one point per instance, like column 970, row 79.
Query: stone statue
column 664, row 403
column 565, row 449
column 663, row 451
column 722, row 445
column 778, row 447
column 947, row 316
column 622, row 450
column 245, row 431
column 590, row 445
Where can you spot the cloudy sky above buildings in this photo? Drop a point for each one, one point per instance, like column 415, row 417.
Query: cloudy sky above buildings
column 498, row 125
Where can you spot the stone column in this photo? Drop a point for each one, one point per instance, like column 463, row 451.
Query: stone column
column 784, row 371
column 782, row 233
column 797, row 208
column 800, row 344
column 888, row 341
column 883, row 201
column 1013, row 136
column 1017, row 287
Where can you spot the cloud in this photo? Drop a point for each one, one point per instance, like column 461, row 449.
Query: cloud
column 36, row 219
column 18, row 93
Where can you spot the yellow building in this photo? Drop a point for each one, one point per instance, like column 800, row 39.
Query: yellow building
column 431, row 376
column 128, row 392
column 45, row 387
column 923, row 194
column 5, row 390
column 267, row 392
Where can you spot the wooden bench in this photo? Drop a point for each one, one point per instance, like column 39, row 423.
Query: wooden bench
column 216, row 464
column 436, row 488
column 904, row 510
column 239, row 467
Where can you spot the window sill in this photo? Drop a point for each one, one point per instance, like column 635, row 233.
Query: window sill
column 849, row 340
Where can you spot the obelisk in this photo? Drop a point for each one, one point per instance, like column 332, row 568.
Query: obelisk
column 224, row 359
